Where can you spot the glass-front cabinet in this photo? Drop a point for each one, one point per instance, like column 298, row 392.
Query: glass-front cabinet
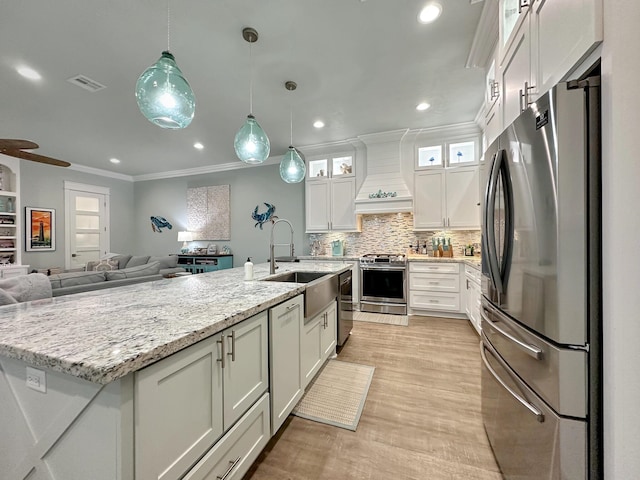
column 447, row 154
column 330, row 193
column 330, row 167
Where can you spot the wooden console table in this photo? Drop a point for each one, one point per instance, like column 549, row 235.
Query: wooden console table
column 205, row 263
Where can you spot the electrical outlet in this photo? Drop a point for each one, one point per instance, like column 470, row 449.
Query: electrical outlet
column 36, row 379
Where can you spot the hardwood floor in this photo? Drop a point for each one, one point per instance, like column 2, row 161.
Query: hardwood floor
column 421, row 419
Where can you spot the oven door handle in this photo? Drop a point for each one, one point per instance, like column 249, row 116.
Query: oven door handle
column 383, row 269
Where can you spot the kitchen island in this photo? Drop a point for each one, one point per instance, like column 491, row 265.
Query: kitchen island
column 82, row 354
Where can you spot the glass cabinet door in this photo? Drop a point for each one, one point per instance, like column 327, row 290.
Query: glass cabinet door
column 509, row 11
column 342, row 166
column 318, row 168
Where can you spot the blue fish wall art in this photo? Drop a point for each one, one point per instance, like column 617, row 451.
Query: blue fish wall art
column 262, row 218
column 158, row 223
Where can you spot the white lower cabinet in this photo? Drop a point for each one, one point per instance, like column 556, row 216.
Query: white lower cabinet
column 317, row 343
column 434, row 287
column 184, row 403
column 232, row 456
column 472, row 297
column 286, row 322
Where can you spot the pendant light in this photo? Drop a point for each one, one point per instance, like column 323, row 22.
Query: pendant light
column 163, row 94
column 292, row 167
column 251, row 143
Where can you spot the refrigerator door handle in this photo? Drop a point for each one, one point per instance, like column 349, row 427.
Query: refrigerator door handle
column 492, row 254
column 527, row 348
column 532, row 408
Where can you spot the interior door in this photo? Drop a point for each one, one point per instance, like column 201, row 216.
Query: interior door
column 87, row 226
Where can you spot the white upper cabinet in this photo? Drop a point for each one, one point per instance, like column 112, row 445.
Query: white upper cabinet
column 563, row 33
column 447, row 199
column 538, row 43
column 330, row 193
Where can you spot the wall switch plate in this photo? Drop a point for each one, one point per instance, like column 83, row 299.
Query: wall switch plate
column 36, row 379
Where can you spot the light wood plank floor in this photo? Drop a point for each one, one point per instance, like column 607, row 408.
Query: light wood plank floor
column 421, row 420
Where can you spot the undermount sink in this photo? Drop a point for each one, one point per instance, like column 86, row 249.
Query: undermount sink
column 298, row 277
column 321, row 288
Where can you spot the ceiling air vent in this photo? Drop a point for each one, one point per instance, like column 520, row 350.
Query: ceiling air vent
column 86, row 83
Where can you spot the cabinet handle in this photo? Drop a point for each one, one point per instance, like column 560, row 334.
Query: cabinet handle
column 231, row 467
column 434, row 301
column 448, row 222
column 434, row 283
column 494, row 90
column 221, row 342
column 291, row 307
column 467, row 284
column 232, row 353
column 524, row 96
column 444, row 222
column 523, row 4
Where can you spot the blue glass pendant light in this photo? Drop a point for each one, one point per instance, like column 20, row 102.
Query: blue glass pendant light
column 292, row 167
column 251, row 144
column 163, row 94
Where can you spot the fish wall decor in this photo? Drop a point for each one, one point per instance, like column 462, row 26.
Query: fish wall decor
column 158, row 223
column 262, row 218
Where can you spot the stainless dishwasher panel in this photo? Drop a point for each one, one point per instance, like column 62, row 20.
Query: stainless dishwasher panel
column 345, row 306
column 558, row 375
column 529, row 441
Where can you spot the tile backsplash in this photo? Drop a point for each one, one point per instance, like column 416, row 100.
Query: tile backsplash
column 390, row 233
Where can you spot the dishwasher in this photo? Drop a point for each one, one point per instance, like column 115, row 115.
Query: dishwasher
column 345, row 306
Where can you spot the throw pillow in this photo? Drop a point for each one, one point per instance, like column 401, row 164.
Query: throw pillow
column 137, row 261
column 152, row 268
column 106, row 265
column 169, row 261
column 122, row 260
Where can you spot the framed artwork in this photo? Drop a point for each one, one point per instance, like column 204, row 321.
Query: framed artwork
column 208, row 214
column 40, row 229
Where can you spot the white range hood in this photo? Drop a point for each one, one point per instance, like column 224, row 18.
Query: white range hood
column 383, row 178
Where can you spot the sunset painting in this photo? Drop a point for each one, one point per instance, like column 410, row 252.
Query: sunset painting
column 40, row 234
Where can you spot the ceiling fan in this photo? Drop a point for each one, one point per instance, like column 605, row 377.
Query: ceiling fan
column 16, row 148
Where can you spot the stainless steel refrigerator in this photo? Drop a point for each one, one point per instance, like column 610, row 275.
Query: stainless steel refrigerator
column 541, row 285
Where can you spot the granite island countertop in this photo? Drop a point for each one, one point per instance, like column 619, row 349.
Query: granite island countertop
column 103, row 335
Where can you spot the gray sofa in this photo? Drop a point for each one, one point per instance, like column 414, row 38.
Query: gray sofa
column 116, row 271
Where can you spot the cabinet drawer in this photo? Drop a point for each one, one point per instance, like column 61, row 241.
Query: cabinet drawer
column 449, row 267
column 472, row 273
column 448, row 302
column 434, row 282
column 239, row 448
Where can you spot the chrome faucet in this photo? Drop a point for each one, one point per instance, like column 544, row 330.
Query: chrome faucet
column 272, row 258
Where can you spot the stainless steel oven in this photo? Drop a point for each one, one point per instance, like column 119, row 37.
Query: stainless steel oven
column 383, row 284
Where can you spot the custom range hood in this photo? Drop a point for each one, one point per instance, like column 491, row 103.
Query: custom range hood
column 384, row 189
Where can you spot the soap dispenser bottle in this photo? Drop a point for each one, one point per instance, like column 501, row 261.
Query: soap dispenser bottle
column 248, row 269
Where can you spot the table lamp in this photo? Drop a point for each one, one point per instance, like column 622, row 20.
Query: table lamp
column 185, row 237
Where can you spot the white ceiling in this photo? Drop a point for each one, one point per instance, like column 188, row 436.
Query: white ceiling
column 361, row 66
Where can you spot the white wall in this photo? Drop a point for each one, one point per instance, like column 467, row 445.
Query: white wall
column 43, row 186
column 621, row 238
column 249, row 187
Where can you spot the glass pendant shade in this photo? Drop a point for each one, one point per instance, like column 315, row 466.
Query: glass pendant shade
column 292, row 167
column 164, row 95
column 252, row 144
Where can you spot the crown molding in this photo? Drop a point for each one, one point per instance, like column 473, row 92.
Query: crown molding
column 100, row 172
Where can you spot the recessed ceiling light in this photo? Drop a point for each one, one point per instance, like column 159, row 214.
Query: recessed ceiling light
column 318, row 124
column 430, row 12
column 114, row 160
column 421, row 107
column 198, row 145
column 28, row 72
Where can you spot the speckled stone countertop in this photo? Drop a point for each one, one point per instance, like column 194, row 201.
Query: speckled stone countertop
column 104, row 335
column 474, row 261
